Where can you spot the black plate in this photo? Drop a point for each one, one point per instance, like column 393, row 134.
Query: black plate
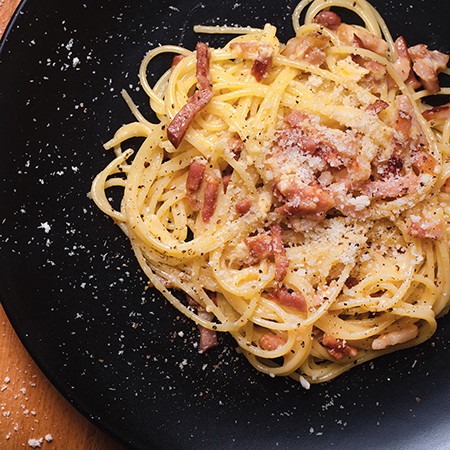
column 73, row 291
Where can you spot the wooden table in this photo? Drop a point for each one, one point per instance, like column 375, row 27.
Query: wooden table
column 30, row 407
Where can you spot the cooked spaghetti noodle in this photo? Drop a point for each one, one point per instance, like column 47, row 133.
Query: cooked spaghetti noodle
column 295, row 195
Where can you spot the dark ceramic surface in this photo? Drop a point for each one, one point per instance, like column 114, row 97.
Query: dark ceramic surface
column 72, row 289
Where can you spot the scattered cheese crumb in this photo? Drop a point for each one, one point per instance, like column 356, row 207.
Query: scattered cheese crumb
column 35, row 443
column 45, row 226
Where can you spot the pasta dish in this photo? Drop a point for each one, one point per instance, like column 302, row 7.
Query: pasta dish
column 295, row 195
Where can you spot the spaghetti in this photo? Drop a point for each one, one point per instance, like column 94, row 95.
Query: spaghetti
column 296, row 195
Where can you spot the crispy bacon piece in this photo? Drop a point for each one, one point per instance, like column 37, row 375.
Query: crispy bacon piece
column 202, row 67
column 176, row 59
column 296, row 118
column 357, row 37
column 236, row 145
column 303, row 199
column 263, row 245
column 261, row 66
column 279, row 252
column 328, row 19
column 427, row 64
column 378, row 70
column 403, row 64
column 244, row 205
column 208, row 338
column 226, row 181
column 376, row 107
column 338, row 348
column 181, row 122
column 210, row 195
column 404, row 104
column 259, row 52
column 395, row 337
column 357, row 41
column 423, row 161
column 426, row 229
column 271, row 341
column 290, row 298
column 308, row 47
column 438, row 112
column 193, row 182
column 392, row 187
column 402, row 125
column 260, row 247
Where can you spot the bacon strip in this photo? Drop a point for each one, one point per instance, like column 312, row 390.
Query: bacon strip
column 210, row 195
column 376, row 107
column 392, row 187
column 438, row 112
column 244, row 205
column 403, row 64
column 226, row 181
column 290, row 298
column 260, row 52
column 402, row 125
column 261, row 66
column 303, row 199
column 395, row 337
column 193, row 182
column 296, row 118
column 236, row 145
column 423, row 161
column 271, row 341
column 338, row 348
column 279, row 252
column 426, row 230
column 427, row 64
column 202, row 68
column 181, row 122
column 208, row 338
column 176, row 59
column 357, row 37
column 328, row 19
column 308, row 47
column 260, row 247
